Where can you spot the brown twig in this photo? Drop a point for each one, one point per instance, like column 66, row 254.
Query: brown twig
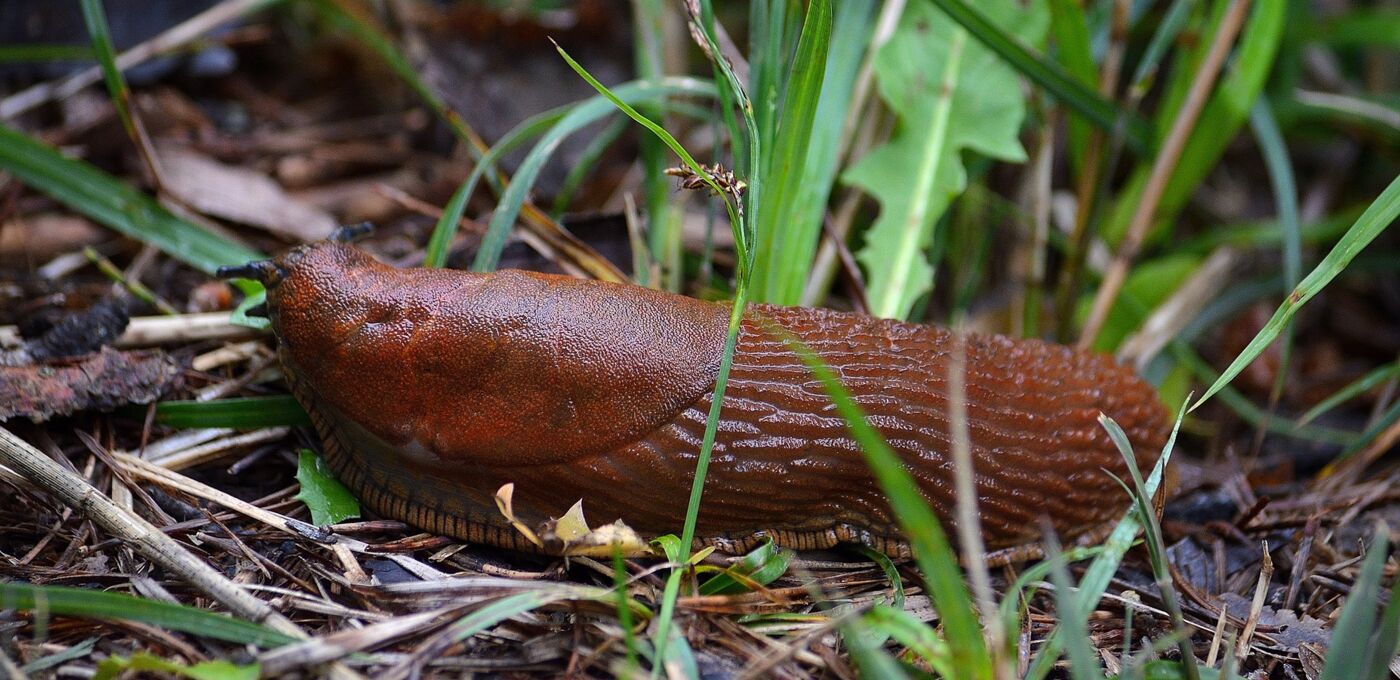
column 1266, row 574
column 75, row 492
column 1093, row 177
column 1162, row 168
column 968, row 525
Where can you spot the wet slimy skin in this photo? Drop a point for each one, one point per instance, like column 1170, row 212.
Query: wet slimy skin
column 431, row 388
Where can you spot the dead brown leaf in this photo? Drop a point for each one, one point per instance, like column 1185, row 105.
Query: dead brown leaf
column 240, row 195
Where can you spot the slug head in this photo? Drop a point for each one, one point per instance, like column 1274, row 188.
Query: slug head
column 271, row 272
column 509, row 368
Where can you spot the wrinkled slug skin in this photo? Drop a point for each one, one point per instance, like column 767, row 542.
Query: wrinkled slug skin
column 432, row 388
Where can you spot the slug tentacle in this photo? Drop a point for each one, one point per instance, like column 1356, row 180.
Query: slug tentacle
column 432, row 388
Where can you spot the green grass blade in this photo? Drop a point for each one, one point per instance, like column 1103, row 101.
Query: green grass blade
column 1352, row 636
column 1100, row 572
column 95, row 18
column 107, row 201
column 587, row 161
column 932, row 551
column 243, row 412
column 661, row 133
column 742, row 240
column 1373, row 430
column 1074, row 50
column 143, row 663
column 1360, row 27
column 1220, row 119
column 1380, row 215
column 916, row 636
column 446, row 228
column 663, row 244
column 784, row 249
column 702, row 463
column 747, row 142
column 519, row 603
column 624, row 608
column 1024, row 588
column 1156, row 546
column 1167, row 31
column 72, row 653
column 1083, row 661
column 1049, row 75
column 96, row 604
column 891, row 574
column 552, row 127
column 1386, row 642
column 1251, row 413
column 1365, row 383
column 1284, row 185
column 762, row 566
column 10, row 54
column 363, row 29
column 872, row 660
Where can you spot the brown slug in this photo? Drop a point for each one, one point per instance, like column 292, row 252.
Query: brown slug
column 431, row 388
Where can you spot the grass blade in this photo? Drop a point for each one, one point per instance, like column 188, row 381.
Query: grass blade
column 1219, row 121
column 761, row 566
column 96, row 604
column 872, row 660
column 915, row 635
column 1377, row 217
column 10, row 54
column 95, row 18
column 517, row 192
column 932, row 551
column 1376, row 377
column 354, row 21
column 446, row 228
column 1082, row 659
column 106, row 200
column 741, row 240
column 1352, row 636
column 663, row 243
column 1074, row 50
column 245, row 412
column 784, row 249
column 1100, row 572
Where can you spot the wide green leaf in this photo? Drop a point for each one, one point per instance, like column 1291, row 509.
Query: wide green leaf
column 327, row 499
column 951, row 94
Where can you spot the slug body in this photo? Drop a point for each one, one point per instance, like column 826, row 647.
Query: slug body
column 433, row 388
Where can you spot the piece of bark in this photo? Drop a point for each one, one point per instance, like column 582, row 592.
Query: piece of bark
column 101, row 381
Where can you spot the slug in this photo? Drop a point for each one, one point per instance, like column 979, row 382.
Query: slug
column 431, row 388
